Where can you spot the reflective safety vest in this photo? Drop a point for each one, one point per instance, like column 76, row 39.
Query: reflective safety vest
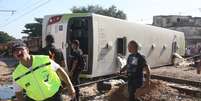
column 41, row 81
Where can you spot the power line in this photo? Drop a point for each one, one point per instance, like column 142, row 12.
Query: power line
column 26, row 13
column 25, row 7
column 7, row 11
column 12, row 11
column 22, row 9
column 199, row 9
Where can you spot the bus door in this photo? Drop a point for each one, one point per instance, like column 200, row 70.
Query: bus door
column 80, row 28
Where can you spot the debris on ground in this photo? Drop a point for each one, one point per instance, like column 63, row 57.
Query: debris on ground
column 5, row 74
column 3, row 64
column 5, row 79
column 187, row 72
column 178, row 60
column 6, row 92
column 118, row 93
column 157, row 91
column 88, row 91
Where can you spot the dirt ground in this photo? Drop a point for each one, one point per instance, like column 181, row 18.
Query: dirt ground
column 158, row 90
column 5, row 74
column 183, row 72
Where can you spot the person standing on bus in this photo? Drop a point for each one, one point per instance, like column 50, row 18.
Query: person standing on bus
column 75, row 65
column 135, row 65
column 38, row 75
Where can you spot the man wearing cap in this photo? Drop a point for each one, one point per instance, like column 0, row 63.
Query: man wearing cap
column 54, row 53
column 38, row 75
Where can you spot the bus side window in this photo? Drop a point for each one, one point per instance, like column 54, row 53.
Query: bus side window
column 121, row 46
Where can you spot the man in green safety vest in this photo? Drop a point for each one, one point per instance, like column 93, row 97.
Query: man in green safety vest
column 38, row 75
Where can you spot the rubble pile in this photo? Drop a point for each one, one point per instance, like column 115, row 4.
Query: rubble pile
column 118, row 93
column 88, row 90
column 88, row 93
column 5, row 79
column 5, row 74
column 157, row 91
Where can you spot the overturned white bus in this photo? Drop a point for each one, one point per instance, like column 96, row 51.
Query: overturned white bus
column 102, row 38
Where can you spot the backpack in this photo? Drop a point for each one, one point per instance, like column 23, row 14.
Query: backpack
column 56, row 55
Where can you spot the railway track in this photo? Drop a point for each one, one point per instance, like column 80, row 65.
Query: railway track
column 187, row 86
column 153, row 76
column 100, row 80
column 182, row 85
column 176, row 80
column 173, row 80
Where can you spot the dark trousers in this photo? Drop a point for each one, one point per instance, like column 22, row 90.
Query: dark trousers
column 55, row 97
column 133, row 85
column 76, row 81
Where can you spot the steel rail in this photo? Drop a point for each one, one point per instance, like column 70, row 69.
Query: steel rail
column 99, row 80
column 153, row 76
column 176, row 80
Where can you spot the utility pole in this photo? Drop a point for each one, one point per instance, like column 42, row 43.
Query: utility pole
column 199, row 9
column 12, row 11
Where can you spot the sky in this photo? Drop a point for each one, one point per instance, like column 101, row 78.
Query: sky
column 140, row 11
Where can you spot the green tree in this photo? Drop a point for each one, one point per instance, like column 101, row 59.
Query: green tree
column 4, row 37
column 111, row 11
column 34, row 29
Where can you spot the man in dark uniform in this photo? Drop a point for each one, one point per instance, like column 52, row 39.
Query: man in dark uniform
column 54, row 54
column 75, row 66
column 135, row 65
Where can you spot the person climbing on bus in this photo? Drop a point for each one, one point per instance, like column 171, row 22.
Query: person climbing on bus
column 76, row 65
